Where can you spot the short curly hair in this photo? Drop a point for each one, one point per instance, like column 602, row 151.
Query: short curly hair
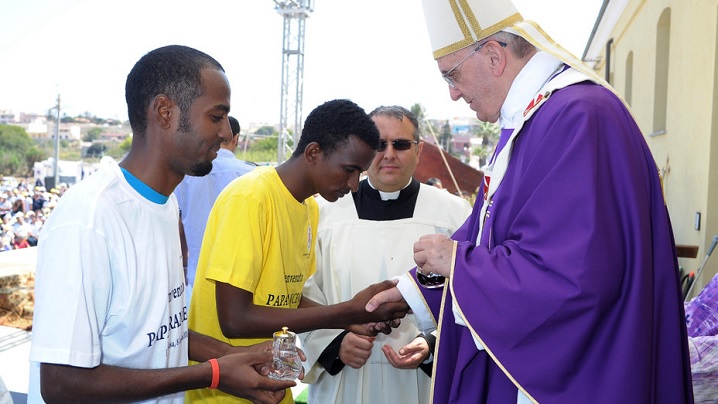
column 173, row 70
column 331, row 124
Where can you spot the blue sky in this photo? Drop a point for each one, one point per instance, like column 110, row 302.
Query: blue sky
column 375, row 52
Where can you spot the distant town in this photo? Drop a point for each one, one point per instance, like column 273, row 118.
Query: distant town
column 83, row 140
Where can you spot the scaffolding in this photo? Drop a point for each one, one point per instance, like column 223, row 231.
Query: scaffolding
column 294, row 13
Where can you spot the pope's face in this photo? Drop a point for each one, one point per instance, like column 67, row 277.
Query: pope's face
column 475, row 80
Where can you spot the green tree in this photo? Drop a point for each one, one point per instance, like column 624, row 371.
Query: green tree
column 97, row 150
column 14, row 138
column 261, row 151
column 424, row 125
column 33, row 155
column 14, row 145
column 92, row 134
column 266, row 131
column 126, row 144
column 418, row 110
column 10, row 162
column 489, row 134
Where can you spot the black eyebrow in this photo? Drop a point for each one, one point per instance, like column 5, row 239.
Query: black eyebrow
column 222, row 107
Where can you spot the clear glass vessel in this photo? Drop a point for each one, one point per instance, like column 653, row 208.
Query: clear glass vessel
column 286, row 364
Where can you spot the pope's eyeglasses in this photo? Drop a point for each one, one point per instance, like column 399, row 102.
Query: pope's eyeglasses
column 398, row 144
column 448, row 75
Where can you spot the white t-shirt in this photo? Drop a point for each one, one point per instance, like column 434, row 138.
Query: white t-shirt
column 109, row 281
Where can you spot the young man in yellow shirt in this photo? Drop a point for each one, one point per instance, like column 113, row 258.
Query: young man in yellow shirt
column 258, row 248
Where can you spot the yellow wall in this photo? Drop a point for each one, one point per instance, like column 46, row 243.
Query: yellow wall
column 687, row 154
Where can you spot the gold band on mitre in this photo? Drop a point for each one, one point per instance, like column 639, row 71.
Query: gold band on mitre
column 456, row 24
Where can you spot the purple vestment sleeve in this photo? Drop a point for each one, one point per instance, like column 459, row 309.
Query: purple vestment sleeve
column 574, row 288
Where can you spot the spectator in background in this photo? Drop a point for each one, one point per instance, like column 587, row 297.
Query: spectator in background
column 5, row 204
column 196, row 195
column 18, row 205
column 38, row 199
column 27, row 198
column 6, row 238
column 21, row 240
column 435, row 182
column 20, row 225
column 6, row 218
column 702, row 323
column 33, row 224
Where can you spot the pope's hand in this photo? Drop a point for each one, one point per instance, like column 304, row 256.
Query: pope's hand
column 433, row 252
column 391, row 295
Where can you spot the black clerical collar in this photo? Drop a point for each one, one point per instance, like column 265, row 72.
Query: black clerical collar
column 370, row 206
column 388, row 196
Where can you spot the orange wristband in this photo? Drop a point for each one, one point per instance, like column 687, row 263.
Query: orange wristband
column 215, row 373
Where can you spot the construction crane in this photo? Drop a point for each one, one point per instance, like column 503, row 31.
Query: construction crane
column 295, row 13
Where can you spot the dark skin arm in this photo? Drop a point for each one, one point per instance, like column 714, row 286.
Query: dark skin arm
column 239, row 317
column 368, row 329
column 206, row 348
column 238, row 376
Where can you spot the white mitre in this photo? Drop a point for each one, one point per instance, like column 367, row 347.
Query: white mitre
column 456, row 24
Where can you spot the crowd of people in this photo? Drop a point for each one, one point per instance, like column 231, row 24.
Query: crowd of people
column 23, row 209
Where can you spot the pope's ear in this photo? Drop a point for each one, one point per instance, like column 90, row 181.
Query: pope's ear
column 497, row 57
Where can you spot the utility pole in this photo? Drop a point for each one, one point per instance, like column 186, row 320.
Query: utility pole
column 294, row 12
column 57, row 142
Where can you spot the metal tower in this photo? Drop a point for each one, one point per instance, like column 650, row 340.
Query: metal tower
column 294, row 12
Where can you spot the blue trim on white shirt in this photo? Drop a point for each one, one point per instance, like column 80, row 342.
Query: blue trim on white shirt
column 144, row 189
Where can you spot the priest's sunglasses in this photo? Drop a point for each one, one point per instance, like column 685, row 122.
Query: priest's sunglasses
column 398, row 144
column 448, row 76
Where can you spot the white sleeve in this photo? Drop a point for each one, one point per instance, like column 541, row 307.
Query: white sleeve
column 422, row 315
column 72, row 294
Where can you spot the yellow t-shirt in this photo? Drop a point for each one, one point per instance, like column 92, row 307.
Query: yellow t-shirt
column 258, row 238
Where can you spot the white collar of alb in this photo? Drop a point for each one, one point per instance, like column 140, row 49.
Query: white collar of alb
column 388, row 196
column 527, row 83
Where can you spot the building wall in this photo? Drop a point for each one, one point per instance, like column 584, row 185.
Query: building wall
column 687, row 152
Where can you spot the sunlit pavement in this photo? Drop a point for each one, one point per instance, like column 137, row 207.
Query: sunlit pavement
column 14, row 361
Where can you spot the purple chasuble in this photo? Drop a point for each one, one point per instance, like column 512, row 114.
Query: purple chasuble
column 574, row 288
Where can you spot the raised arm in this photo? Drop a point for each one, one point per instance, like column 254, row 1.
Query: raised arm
column 239, row 317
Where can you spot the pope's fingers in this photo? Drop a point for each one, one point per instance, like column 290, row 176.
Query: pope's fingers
column 385, row 296
column 420, row 260
column 424, row 242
